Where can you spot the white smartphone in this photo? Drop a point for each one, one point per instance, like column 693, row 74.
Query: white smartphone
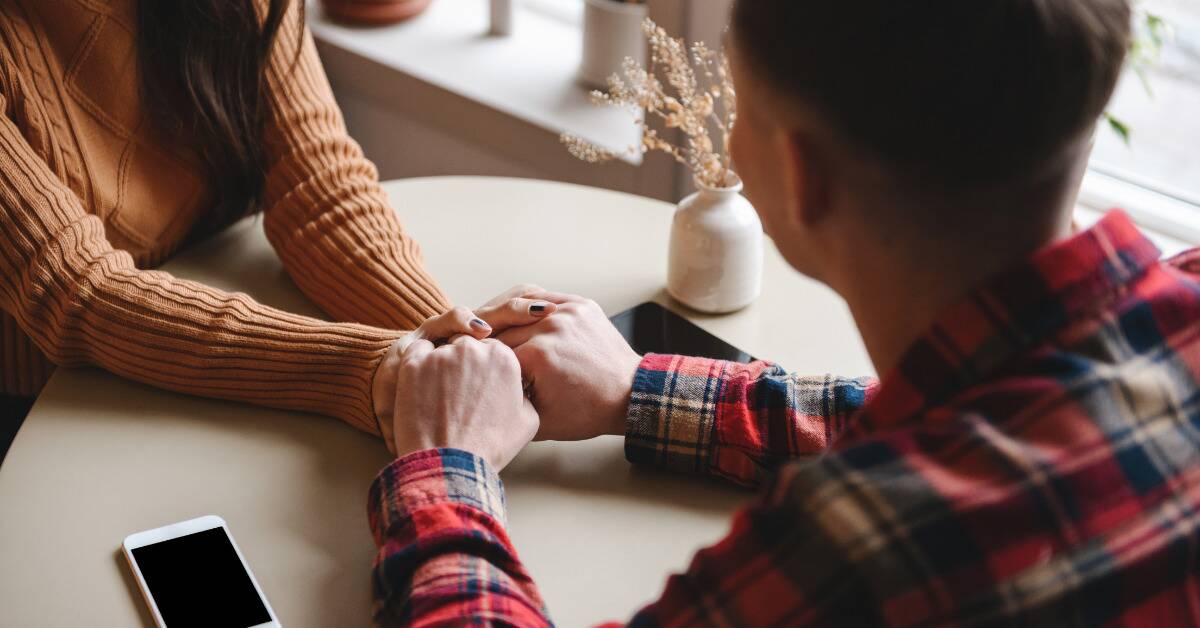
column 193, row 574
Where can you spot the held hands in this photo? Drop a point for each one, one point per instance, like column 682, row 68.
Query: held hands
column 393, row 398
column 464, row 394
column 579, row 369
column 577, row 372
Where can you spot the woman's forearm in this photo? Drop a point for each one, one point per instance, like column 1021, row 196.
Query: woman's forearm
column 326, row 214
column 83, row 302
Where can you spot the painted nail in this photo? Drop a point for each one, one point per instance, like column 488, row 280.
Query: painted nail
column 538, row 307
column 478, row 322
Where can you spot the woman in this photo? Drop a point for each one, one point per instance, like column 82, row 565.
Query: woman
column 130, row 128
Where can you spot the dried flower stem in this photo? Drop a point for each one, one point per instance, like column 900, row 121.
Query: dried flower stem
column 696, row 107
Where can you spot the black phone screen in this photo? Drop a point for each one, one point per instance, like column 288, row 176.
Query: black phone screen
column 652, row 328
column 198, row 580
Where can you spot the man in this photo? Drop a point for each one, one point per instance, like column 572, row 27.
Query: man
column 1031, row 454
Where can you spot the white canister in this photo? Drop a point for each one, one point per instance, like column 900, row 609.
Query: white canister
column 716, row 253
column 501, row 18
column 612, row 31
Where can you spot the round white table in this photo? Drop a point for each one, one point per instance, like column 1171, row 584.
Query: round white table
column 100, row 457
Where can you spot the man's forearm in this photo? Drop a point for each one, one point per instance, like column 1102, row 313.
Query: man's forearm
column 733, row 420
column 444, row 556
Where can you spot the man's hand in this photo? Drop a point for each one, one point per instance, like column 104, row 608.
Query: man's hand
column 578, row 367
column 465, row 394
column 503, row 312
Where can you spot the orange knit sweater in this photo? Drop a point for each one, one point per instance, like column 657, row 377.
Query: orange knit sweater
column 90, row 196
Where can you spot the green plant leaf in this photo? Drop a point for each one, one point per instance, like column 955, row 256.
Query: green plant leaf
column 1156, row 27
column 1142, row 72
column 1118, row 127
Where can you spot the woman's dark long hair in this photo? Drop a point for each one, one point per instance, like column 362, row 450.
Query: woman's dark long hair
column 203, row 66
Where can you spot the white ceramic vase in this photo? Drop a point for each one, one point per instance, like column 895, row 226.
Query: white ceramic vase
column 716, row 253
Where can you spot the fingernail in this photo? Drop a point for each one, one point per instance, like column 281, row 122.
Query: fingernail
column 539, row 307
column 478, row 322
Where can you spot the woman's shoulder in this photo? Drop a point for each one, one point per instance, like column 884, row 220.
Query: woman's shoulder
column 51, row 40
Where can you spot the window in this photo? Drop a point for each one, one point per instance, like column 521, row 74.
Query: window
column 1156, row 176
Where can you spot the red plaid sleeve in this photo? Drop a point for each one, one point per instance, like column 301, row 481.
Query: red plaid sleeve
column 733, row 420
column 444, row 556
column 445, row 559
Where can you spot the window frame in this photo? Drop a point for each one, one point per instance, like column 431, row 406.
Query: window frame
column 1153, row 208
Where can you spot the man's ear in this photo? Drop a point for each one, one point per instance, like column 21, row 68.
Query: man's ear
column 806, row 179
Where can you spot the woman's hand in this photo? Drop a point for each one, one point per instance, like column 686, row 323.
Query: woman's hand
column 508, row 310
column 515, row 307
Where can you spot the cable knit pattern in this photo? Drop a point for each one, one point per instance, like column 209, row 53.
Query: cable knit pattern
column 91, row 197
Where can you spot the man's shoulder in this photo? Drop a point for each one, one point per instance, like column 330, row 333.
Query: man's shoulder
column 1012, row 496
column 1131, row 359
column 966, row 517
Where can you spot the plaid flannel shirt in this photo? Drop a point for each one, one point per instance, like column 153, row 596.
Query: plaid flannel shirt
column 1033, row 459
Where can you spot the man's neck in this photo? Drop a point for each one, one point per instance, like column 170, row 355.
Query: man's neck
column 897, row 292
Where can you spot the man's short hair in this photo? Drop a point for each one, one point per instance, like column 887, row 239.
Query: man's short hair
column 955, row 93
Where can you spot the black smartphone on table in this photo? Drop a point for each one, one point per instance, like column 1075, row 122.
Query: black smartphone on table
column 652, row 328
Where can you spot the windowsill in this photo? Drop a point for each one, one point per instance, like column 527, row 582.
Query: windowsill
column 1172, row 224
column 529, row 76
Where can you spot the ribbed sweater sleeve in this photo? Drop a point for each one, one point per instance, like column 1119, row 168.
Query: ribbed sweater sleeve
column 84, row 303
column 326, row 214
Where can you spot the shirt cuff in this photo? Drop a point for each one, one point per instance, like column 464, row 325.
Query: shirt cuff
column 672, row 412
column 428, row 478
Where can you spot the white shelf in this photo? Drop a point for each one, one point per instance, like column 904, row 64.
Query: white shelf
column 530, row 75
